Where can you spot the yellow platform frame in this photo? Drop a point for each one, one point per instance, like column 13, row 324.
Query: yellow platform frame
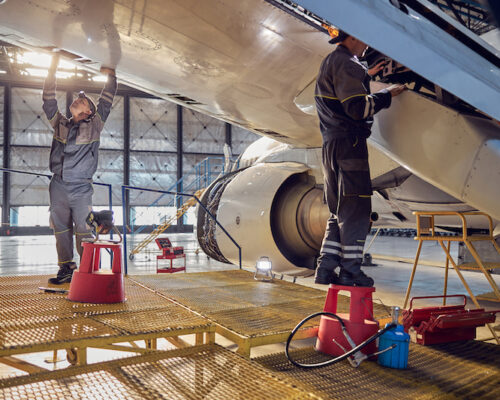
column 32, row 321
column 197, row 372
column 244, row 311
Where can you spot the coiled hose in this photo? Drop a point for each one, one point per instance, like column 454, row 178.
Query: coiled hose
column 344, row 330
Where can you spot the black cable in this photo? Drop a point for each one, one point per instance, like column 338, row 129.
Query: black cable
column 339, row 358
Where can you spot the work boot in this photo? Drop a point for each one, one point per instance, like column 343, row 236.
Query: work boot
column 358, row 279
column 325, row 276
column 64, row 274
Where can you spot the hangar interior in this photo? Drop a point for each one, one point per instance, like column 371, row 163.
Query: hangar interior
column 146, row 142
column 212, row 330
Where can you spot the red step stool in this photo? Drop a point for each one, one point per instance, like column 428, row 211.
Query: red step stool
column 169, row 253
column 92, row 285
column 443, row 324
column 359, row 322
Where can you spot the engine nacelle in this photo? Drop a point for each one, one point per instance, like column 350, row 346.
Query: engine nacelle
column 270, row 209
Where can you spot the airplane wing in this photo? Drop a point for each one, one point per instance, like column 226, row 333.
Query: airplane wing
column 245, row 62
column 239, row 61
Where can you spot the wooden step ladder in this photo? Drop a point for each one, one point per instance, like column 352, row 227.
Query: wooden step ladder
column 426, row 231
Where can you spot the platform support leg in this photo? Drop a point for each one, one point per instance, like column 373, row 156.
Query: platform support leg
column 446, row 269
column 244, row 348
column 408, row 290
column 54, row 359
column 209, row 337
column 199, row 339
column 151, row 344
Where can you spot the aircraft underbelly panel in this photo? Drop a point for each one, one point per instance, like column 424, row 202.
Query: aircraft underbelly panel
column 420, row 45
column 456, row 153
column 241, row 61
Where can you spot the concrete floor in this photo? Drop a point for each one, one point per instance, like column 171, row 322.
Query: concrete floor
column 30, row 255
column 36, row 255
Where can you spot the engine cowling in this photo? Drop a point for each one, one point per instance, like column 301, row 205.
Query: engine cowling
column 270, row 209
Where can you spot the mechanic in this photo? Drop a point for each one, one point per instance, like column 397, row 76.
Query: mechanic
column 73, row 162
column 345, row 108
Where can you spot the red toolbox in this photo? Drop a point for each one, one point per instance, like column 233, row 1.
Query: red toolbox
column 442, row 324
column 168, row 252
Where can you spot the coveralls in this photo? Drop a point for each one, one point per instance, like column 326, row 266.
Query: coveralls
column 345, row 108
column 73, row 162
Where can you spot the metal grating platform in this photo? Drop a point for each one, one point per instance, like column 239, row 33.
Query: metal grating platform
column 33, row 321
column 20, row 299
column 248, row 312
column 203, row 372
column 464, row 370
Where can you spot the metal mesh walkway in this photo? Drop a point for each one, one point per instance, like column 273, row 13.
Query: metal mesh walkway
column 202, row 372
column 464, row 370
column 32, row 321
column 457, row 370
column 247, row 312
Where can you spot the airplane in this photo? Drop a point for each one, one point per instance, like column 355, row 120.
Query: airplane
column 253, row 64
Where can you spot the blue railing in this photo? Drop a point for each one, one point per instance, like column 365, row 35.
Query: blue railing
column 17, row 171
column 108, row 185
column 125, row 188
column 204, row 176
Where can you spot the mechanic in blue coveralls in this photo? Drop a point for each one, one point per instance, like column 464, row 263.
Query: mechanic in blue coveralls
column 345, row 108
column 73, row 161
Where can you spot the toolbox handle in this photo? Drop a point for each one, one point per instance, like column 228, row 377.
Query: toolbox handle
column 437, row 297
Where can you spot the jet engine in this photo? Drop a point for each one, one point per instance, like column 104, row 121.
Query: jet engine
column 270, row 209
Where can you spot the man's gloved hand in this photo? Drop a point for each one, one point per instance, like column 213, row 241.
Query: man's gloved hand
column 396, row 89
column 377, row 68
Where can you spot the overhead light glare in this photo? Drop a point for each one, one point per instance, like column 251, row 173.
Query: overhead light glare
column 100, row 78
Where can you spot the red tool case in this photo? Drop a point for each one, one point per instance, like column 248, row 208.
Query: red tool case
column 169, row 253
column 442, row 324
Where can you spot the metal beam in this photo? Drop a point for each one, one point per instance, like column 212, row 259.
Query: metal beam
column 229, row 134
column 69, row 100
column 180, row 154
column 6, row 157
column 73, row 86
column 126, row 153
column 163, row 152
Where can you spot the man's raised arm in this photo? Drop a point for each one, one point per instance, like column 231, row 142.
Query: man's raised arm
column 108, row 93
column 49, row 93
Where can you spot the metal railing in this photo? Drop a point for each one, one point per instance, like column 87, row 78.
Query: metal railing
column 18, row 171
column 126, row 188
column 203, row 173
column 48, row 176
